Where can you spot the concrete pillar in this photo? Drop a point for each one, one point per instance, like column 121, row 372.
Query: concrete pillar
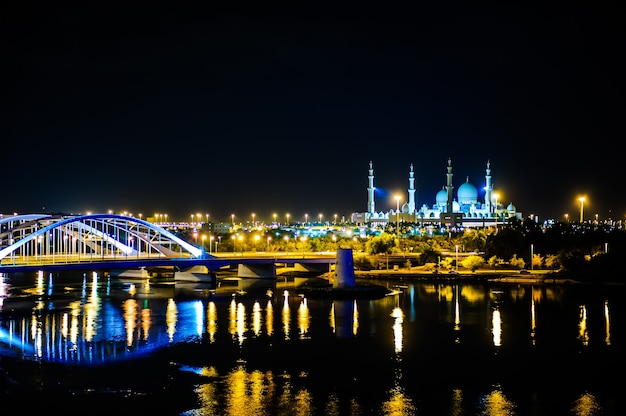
column 344, row 269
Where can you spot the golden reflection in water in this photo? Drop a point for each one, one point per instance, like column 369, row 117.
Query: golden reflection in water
column 75, row 313
column 586, row 405
column 269, row 319
column 583, row 334
column 533, row 323
column 171, row 317
column 496, row 324
column 286, row 315
column 472, row 294
column 355, row 319
column 398, row 316
column 456, row 403
column 232, row 322
column 130, row 319
column 399, row 404
column 36, row 335
column 332, row 318
column 241, row 322
column 211, row 321
column 303, row 318
column 496, row 404
column 256, row 318
column 457, row 312
column 146, row 322
column 607, row 323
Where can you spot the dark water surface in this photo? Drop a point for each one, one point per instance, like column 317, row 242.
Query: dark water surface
column 78, row 344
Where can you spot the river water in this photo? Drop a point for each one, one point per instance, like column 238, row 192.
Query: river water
column 81, row 343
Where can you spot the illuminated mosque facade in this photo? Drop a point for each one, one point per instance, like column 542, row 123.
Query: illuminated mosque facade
column 448, row 210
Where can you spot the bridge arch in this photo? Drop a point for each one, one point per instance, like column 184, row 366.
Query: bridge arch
column 50, row 239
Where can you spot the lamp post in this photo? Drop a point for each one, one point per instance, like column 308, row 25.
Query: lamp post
column 306, row 218
column 253, row 215
column 232, row 217
column 582, row 203
column 397, row 214
column 287, row 218
column 274, row 218
column 320, row 215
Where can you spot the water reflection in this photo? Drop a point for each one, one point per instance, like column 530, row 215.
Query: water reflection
column 330, row 356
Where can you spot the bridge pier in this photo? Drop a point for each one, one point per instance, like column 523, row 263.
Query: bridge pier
column 344, row 269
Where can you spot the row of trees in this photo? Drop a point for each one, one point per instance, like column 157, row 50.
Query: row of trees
column 586, row 251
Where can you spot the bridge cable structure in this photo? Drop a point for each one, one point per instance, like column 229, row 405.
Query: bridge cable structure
column 44, row 240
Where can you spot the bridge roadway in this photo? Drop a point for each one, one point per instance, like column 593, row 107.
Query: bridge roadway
column 211, row 261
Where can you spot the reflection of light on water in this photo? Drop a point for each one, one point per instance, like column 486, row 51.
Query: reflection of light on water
column 303, row 318
column 496, row 323
column 286, row 315
column 4, row 288
column 586, row 405
column 211, row 321
column 456, row 403
column 355, row 319
column 130, row 319
column 241, row 322
column 533, row 323
column 607, row 323
column 332, row 318
column 399, row 403
column 256, row 318
column 232, row 322
column 269, row 320
column 146, row 322
column 583, row 335
column 496, row 404
column 171, row 316
column 457, row 312
column 255, row 393
column 398, row 316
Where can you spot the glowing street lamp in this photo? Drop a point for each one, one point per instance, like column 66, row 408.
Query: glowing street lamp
column 306, row 218
column 232, row 217
column 274, row 218
column 582, row 203
column 287, row 218
column 253, row 215
column 320, row 215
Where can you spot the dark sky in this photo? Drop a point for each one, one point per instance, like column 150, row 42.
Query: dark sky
column 170, row 108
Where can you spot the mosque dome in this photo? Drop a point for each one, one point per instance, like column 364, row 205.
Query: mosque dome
column 442, row 197
column 467, row 193
column 511, row 208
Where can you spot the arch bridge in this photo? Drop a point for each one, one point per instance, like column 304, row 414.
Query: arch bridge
column 48, row 240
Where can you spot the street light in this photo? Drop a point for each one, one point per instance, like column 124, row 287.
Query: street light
column 287, row 218
column 232, row 217
column 253, row 215
column 320, row 215
column 306, row 218
column 268, row 243
column 582, row 203
column 397, row 214
column 274, row 218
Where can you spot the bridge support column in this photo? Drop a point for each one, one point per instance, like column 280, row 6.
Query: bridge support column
column 259, row 271
column 344, row 269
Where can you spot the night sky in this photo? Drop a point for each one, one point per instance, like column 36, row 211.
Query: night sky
column 171, row 108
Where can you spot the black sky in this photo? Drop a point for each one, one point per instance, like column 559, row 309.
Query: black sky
column 156, row 108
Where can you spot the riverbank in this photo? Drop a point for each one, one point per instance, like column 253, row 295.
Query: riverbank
column 508, row 276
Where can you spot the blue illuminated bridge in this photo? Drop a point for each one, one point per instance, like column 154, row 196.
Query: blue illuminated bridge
column 31, row 242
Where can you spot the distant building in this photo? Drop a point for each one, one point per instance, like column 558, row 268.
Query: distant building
column 463, row 211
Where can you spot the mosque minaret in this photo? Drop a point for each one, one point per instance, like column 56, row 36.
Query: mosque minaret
column 371, row 209
column 465, row 210
column 411, row 205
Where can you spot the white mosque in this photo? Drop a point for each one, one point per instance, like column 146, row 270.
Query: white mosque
column 463, row 211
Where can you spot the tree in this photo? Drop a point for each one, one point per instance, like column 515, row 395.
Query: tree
column 472, row 262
